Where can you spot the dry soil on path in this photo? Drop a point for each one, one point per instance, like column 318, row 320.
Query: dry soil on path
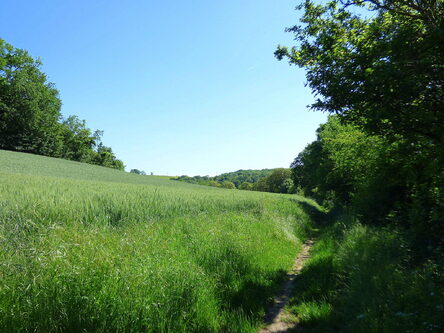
column 275, row 314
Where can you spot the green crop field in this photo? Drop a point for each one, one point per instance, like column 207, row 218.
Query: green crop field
column 87, row 248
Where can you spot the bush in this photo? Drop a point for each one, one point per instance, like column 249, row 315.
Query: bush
column 229, row 185
column 246, row 186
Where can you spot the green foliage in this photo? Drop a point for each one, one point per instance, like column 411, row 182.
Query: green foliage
column 30, row 118
column 138, row 172
column 213, row 183
column 29, row 105
column 266, row 180
column 339, row 163
column 378, row 65
column 363, row 279
column 104, row 156
column 261, row 185
column 87, row 248
column 229, row 185
column 78, row 140
column 380, row 181
column 237, row 178
column 240, row 176
column 246, row 186
column 278, row 181
column 288, row 186
column 201, row 180
column 382, row 69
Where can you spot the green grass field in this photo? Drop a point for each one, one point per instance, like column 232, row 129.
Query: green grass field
column 86, row 248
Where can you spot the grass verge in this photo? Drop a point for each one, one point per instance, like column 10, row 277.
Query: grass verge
column 364, row 279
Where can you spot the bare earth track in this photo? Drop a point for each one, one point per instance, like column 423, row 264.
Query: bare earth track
column 274, row 316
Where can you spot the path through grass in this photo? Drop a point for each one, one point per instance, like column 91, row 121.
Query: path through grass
column 94, row 249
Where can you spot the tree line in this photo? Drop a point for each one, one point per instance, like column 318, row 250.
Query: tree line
column 31, row 119
column 377, row 165
column 265, row 180
column 381, row 77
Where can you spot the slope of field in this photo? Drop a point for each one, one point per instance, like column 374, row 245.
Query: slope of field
column 14, row 162
column 86, row 248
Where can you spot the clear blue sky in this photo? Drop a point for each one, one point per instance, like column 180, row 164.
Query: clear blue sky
column 179, row 87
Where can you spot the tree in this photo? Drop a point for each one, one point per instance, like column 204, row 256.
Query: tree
column 287, row 186
column 214, row 183
column 78, row 141
column 275, row 181
column 104, row 156
column 344, row 163
column 261, row 185
column 29, row 105
column 236, row 177
column 310, row 169
column 247, row 186
column 138, row 172
column 30, row 118
column 385, row 73
column 240, row 176
column 379, row 65
column 228, row 184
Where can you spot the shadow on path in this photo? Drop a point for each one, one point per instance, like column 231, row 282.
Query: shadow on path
column 274, row 316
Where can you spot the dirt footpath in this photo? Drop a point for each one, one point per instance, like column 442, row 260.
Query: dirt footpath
column 275, row 314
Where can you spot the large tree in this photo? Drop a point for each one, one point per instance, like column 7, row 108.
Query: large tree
column 29, row 104
column 277, row 181
column 379, row 63
column 30, row 117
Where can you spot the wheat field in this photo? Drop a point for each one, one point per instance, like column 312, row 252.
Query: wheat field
column 87, row 248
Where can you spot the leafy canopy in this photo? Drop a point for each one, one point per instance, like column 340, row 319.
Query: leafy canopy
column 30, row 115
column 377, row 63
column 29, row 105
column 379, row 66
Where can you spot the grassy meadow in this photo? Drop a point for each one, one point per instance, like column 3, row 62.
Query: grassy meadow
column 87, row 248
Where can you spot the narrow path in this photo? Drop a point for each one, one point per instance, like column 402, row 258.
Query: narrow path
column 274, row 315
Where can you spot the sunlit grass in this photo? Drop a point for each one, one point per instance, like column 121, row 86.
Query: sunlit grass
column 362, row 279
column 94, row 249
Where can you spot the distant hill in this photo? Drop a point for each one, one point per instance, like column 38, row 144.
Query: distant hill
column 240, row 176
column 236, row 177
column 267, row 180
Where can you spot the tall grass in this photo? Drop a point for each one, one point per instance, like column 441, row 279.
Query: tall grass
column 123, row 255
column 363, row 279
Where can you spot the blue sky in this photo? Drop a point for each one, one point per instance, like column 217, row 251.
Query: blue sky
column 179, row 87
